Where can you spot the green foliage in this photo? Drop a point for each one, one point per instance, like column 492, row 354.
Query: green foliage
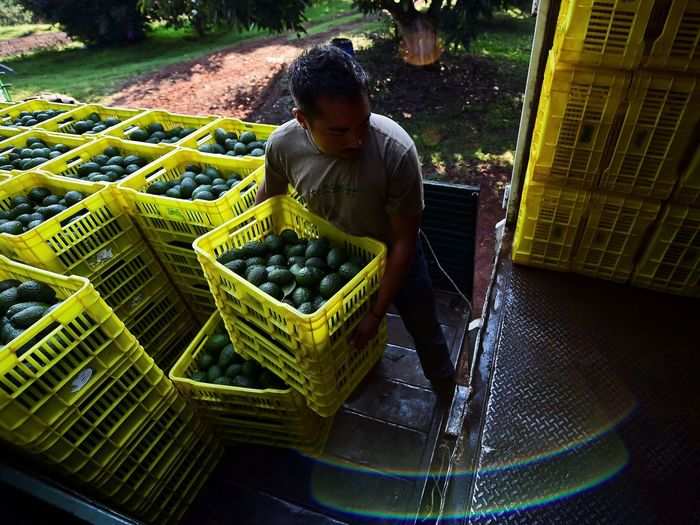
column 107, row 22
column 12, row 13
column 208, row 15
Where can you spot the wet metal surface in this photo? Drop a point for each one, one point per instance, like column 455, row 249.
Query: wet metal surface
column 585, row 406
column 375, row 465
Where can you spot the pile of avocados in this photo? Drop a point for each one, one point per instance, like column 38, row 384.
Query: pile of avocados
column 32, row 118
column 303, row 273
column 94, row 124
column 34, row 153
column 155, row 133
column 21, row 305
column 229, row 143
column 109, row 166
column 219, row 364
column 196, row 183
column 25, row 212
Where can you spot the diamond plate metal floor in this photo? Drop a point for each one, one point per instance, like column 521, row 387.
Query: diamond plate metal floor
column 375, row 464
column 586, row 406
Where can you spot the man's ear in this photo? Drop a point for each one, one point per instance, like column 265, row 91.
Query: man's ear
column 301, row 118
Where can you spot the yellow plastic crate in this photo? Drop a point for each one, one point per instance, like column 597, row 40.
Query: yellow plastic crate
column 160, row 323
column 671, row 261
column 264, row 416
column 20, row 141
column 140, row 467
column 8, row 115
column 180, row 262
column 262, row 132
column 108, row 420
column 574, row 123
column 688, row 191
column 67, row 165
column 130, row 280
column 6, row 133
column 6, row 105
column 308, row 334
column 183, row 483
column 662, row 112
column 65, row 123
column 548, row 223
column 58, row 361
column 612, row 237
column 158, row 212
column 602, row 33
column 167, row 119
column 81, row 246
column 677, row 47
column 326, row 379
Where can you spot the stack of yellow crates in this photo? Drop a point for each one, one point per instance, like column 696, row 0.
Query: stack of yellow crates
column 612, row 187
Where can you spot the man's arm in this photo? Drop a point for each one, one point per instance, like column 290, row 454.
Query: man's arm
column 264, row 194
column 404, row 235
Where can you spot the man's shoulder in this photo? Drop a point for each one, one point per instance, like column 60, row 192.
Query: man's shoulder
column 289, row 131
column 388, row 130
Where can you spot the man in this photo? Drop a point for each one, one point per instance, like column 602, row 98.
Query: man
column 360, row 171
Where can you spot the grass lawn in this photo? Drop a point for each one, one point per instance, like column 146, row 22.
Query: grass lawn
column 90, row 74
column 9, row 32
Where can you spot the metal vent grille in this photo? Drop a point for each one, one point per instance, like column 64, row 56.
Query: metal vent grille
column 449, row 221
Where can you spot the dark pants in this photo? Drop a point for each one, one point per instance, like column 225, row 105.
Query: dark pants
column 416, row 305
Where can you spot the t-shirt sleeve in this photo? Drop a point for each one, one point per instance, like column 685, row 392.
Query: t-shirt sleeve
column 275, row 178
column 405, row 192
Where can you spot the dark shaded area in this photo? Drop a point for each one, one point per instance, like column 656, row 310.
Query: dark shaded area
column 374, row 468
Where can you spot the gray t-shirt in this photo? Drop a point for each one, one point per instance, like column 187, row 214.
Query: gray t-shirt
column 357, row 195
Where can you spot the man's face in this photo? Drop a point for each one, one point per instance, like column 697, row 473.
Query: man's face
column 340, row 125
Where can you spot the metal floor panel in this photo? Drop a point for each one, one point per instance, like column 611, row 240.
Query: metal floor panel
column 375, row 466
column 586, row 409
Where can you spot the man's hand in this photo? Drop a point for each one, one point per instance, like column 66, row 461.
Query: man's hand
column 365, row 331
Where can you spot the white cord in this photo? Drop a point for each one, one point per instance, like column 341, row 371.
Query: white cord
column 444, row 272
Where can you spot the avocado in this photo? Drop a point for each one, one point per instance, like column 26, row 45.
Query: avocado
column 298, row 260
column 138, row 134
column 223, row 381
column 336, row 258
column 318, row 302
column 199, row 376
column 254, row 249
column 233, row 370
column 281, row 277
column 11, row 227
column 9, row 283
column 205, row 361
column 27, row 317
column 272, row 290
column 301, row 295
column 111, row 151
column 247, row 137
column 36, row 195
column 274, row 244
column 349, row 270
column 256, row 275
column 227, row 356
column 237, row 266
column 316, row 262
column 308, row 276
column 257, row 152
column 243, row 382
column 216, row 342
column 330, row 285
column 277, row 260
column 289, row 236
column 214, row 372
column 36, row 291
column 306, row 308
column 9, row 332
column 295, row 249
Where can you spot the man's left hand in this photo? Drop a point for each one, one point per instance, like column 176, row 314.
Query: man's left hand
column 365, row 331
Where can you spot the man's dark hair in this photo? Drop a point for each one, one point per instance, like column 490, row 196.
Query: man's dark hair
column 325, row 71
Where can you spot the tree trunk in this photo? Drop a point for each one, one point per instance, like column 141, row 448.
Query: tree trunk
column 420, row 44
